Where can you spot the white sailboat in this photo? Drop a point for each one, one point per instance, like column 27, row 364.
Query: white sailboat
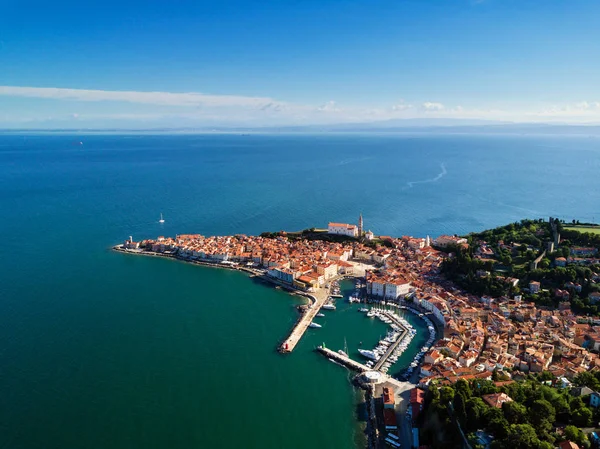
column 162, row 220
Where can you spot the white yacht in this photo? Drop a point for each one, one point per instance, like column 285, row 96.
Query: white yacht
column 314, row 325
column 328, row 307
column 368, row 354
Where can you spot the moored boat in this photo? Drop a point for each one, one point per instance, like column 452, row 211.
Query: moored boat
column 368, row 354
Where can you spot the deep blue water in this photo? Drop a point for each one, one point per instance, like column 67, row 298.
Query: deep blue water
column 98, row 349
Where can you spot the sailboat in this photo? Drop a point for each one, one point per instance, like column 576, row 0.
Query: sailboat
column 162, row 220
column 345, row 351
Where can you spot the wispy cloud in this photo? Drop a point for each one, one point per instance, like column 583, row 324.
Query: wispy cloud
column 155, row 98
column 432, row 106
column 590, row 109
column 78, row 105
column 330, row 106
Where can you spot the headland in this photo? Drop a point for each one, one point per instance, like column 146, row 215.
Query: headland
column 511, row 329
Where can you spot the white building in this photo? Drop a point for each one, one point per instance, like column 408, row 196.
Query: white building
column 397, row 288
column 377, row 288
column 327, row 270
column 343, row 229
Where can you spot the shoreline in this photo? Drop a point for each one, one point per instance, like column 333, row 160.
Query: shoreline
column 312, row 300
column 367, row 391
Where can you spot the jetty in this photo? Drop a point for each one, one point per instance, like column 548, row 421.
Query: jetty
column 319, row 298
column 343, row 360
column 394, row 345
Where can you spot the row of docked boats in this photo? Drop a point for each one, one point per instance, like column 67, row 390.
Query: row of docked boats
column 399, row 326
column 397, row 322
column 415, row 363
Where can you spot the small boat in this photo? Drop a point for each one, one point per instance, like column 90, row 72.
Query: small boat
column 363, row 309
column 320, row 314
column 315, row 325
column 328, row 307
column 162, row 220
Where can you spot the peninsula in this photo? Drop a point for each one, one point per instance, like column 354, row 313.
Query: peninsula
column 504, row 301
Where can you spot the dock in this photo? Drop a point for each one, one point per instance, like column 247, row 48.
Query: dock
column 320, row 297
column 394, row 345
column 343, row 360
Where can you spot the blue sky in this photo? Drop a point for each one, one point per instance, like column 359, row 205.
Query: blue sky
column 159, row 63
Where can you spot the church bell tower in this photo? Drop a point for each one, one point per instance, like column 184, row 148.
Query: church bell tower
column 360, row 226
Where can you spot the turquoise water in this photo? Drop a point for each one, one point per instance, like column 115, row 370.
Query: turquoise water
column 99, row 349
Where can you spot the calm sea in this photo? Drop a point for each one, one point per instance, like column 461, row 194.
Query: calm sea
column 104, row 350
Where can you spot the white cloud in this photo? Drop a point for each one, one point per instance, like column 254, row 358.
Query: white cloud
column 155, row 98
column 582, row 109
column 198, row 108
column 432, row 106
column 330, row 106
column 402, row 106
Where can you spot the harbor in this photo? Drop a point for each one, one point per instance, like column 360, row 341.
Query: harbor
column 396, row 320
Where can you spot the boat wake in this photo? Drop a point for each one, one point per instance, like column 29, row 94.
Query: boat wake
column 425, row 181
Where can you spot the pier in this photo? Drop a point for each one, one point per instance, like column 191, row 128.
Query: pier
column 343, row 360
column 394, row 345
column 320, row 298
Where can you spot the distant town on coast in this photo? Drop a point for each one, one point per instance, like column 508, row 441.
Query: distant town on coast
column 513, row 315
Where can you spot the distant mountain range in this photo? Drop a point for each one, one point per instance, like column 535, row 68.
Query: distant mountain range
column 417, row 125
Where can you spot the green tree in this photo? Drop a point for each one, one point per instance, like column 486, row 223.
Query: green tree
column 476, row 410
column 582, row 417
column 446, row 394
column 576, row 403
column 496, row 423
column 542, row 415
column 514, row 412
column 460, row 409
column 587, row 379
column 576, row 435
column 462, row 386
column 522, row 436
